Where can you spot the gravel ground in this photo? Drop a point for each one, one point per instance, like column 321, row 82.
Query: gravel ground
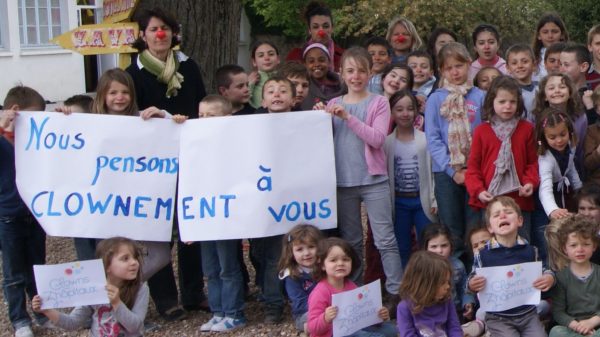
column 60, row 250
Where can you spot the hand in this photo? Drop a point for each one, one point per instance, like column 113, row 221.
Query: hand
column 152, row 112
column 319, row 106
column 421, row 103
column 36, row 304
column 338, row 111
column 253, row 77
column 587, row 99
column 64, row 109
column 477, row 283
column 544, row 282
column 526, row 190
column 330, row 314
column 7, row 119
column 485, row 197
column 179, row 119
column 587, row 326
column 559, row 213
column 459, row 177
column 113, row 295
column 468, row 311
column 433, row 210
column 384, row 314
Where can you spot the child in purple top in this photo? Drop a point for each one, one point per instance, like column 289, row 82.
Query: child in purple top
column 427, row 308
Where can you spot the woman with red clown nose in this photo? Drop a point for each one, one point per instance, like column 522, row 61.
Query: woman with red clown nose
column 168, row 80
column 403, row 37
column 320, row 28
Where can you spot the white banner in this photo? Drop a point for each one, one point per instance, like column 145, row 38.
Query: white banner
column 508, row 287
column 98, row 176
column 71, row 284
column 256, row 176
column 357, row 309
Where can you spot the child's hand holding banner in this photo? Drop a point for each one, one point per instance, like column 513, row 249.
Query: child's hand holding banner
column 71, row 284
column 357, row 309
column 511, row 286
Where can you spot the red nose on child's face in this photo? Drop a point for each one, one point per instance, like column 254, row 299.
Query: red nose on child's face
column 400, row 39
column 161, row 34
column 321, row 33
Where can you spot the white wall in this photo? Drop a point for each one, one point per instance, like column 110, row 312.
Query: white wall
column 54, row 72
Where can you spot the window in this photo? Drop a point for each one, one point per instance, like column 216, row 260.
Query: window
column 4, row 45
column 40, row 21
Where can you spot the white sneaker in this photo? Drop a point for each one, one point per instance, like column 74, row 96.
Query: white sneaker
column 229, row 324
column 24, row 331
column 208, row 325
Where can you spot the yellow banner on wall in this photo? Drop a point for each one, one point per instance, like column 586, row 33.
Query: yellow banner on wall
column 100, row 39
column 118, row 10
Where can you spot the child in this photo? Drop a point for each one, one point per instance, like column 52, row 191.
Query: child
column 396, row 77
column 360, row 123
column 403, row 37
column 591, row 159
column 324, row 83
column 593, row 44
column 477, row 237
column 438, row 38
column 298, row 75
column 278, row 94
column 588, row 204
column 409, row 172
column 557, row 91
column 427, row 308
column 214, row 106
column 77, row 103
column 485, row 76
column 451, row 113
column 232, row 83
column 265, row 59
column 128, row 296
column 436, row 239
column 575, row 303
column 552, row 57
column 521, row 65
column 336, row 261
column 550, row 29
column 379, row 49
column 421, row 64
column 504, row 218
column 503, row 159
column 296, row 265
column 22, row 240
column 115, row 94
column 575, row 61
column 486, row 42
column 558, row 177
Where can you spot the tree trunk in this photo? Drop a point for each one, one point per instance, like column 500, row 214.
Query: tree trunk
column 210, row 30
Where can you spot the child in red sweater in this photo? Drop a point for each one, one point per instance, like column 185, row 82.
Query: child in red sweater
column 503, row 159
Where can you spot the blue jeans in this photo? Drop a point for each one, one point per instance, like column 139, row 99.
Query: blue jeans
column 23, row 244
column 85, row 248
column 266, row 254
column 225, row 282
column 409, row 213
column 539, row 220
column 379, row 210
column 453, row 209
column 383, row 329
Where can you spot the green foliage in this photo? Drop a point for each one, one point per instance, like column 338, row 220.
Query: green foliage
column 286, row 15
column 579, row 16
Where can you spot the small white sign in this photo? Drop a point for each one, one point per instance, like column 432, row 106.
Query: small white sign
column 71, row 284
column 511, row 286
column 357, row 309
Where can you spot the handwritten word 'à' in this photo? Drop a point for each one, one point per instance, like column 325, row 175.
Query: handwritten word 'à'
column 40, row 139
column 46, row 203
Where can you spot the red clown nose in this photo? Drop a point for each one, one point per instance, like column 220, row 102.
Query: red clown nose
column 161, row 34
column 321, row 33
column 400, row 38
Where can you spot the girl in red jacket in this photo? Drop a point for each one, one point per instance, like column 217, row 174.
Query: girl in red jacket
column 503, row 159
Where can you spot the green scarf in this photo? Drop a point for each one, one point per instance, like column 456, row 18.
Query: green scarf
column 165, row 72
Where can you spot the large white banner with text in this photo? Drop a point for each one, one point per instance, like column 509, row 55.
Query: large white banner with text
column 256, row 176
